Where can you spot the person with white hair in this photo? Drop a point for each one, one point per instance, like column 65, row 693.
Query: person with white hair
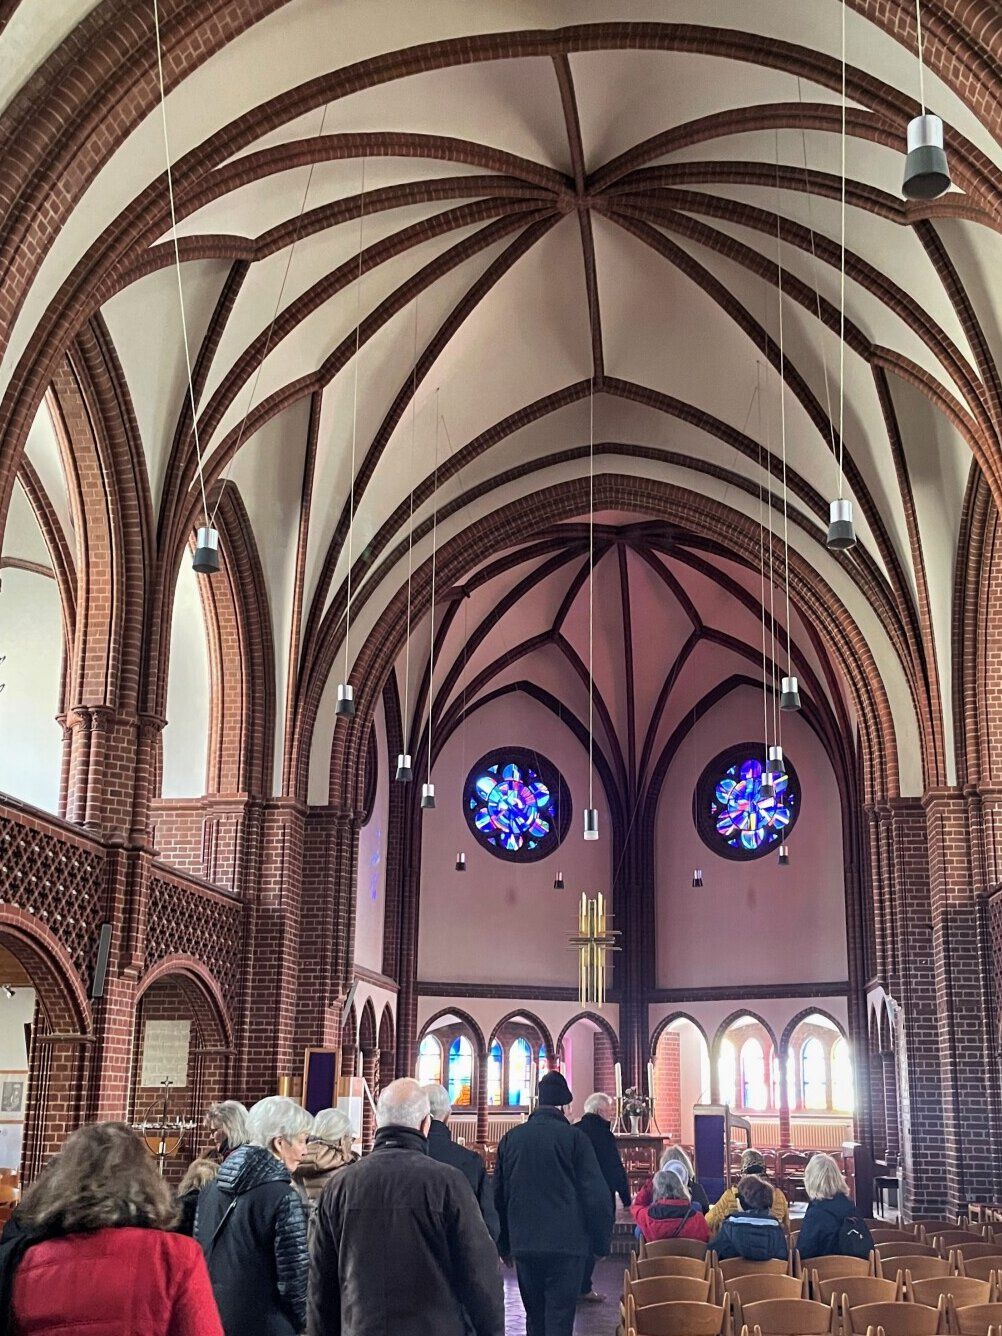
column 251, row 1223
column 833, row 1225
column 672, row 1213
column 441, row 1147
column 399, row 1244
column 599, row 1111
column 674, row 1157
column 328, row 1150
column 227, row 1124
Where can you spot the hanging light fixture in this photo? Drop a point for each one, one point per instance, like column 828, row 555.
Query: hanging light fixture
column 460, row 862
column 346, row 692
column 405, row 772
column 594, row 939
column 206, row 558
column 591, row 823
column 697, row 879
column 428, row 796
column 591, row 811
column 927, row 172
column 789, row 698
column 776, row 759
column 784, row 855
column 762, row 473
column 841, row 530
column 428, row 788
column 767, row 788
column 558, row 882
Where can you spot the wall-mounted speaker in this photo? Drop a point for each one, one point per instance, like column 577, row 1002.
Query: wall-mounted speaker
column 101, row 966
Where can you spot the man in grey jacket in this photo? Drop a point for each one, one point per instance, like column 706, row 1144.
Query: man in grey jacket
column 400, row 1245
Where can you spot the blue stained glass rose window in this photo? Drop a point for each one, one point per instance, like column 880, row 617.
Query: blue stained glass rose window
column 732, row 815
column 517, row 804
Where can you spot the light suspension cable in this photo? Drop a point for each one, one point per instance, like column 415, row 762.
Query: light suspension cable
column 761, row 563
column 428, row 788
column 404, row 768
column 207, row 543
column 345, row 691
column 782, row 432
column 591, row 812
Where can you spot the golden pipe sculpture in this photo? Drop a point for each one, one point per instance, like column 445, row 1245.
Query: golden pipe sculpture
column 594, row 938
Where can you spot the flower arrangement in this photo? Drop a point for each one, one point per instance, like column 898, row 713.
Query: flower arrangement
column 634, row 1103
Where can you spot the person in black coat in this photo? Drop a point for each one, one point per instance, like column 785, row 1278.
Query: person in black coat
column 752, row 1232
column 441, row 1147
column 600, row 1109
column 554, row 1207
column 251, row 1223
column 832, row 1224
column 399, row 1245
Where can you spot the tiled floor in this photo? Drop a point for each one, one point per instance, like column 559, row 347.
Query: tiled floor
column 592, row 1319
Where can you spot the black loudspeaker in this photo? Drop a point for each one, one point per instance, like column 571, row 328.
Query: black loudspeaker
column 101, row 967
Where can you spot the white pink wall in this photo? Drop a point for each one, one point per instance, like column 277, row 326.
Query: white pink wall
column 503, row 922
column 370, row 902
column 753, row 922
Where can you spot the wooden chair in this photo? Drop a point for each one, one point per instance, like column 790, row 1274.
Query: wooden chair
column 971, row 1251
column 828, row 1268
column 884, row 1234
column 921, row 1268
column 897, row 1319
column 856, row 1290
column 643, row 1267
column 673, row 1248
column 963, row 1290
column 906, row 1248
column 666, row 1290
column 982, row 1268
column 675, row 1319
column 975, row 1319
column 931, row 1225
column 788, row 1317
column 753, row 1289
column 737, row 1266
column 956, row 1238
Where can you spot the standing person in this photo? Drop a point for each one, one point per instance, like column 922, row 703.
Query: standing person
column 197, row 1176
column 832, row 1224
column 251, row 1223
column 752, row 1162
column 399, row 1245
column 328, row 1150
column 752, row 1231
column 89, row 1248
column 441, row 1147
column 227, row 1124
column 600, row 1109
column 672, row 1214
column 554, row 1207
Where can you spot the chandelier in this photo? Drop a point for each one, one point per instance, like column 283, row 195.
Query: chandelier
column 594, row 938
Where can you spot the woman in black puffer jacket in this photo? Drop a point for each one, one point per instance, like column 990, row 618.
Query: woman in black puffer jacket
column 251, row 1223
column 832, row 1225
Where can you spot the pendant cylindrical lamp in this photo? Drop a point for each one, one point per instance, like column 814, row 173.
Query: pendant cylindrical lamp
column 841, row 530
column 405, row 772
column 776, row 759
column 345, row 700
column 767, row 788
column 784, row 855
column 591, row 823
column 427, row 796
column 789, row 696
column 206, row 558
column 558, row 882
column 927, row 173
column 460, row 862
column 697, row 878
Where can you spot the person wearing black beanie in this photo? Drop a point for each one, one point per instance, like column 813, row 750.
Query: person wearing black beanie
column 554, row 1208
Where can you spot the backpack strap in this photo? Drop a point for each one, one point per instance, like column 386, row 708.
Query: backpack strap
column 219, row 1228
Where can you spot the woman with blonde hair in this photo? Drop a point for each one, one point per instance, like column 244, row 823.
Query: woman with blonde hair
column 832, row 1224
column 675, row 1158
column 198, row 1174
column 227, row 1122
column 90, row 1248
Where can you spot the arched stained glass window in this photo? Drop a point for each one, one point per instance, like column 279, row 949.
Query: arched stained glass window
column 495, row 1066
column 519, row 1072
column 544, row 1060
column 814, row 1073
column 732, row 816
column 727, row 1074
column 843, row 1092
column 754, row 1092
column 517, row 804
column 429, row 1063
column 461, row 1072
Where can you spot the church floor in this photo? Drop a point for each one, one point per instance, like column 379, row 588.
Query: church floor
column 592, row 1319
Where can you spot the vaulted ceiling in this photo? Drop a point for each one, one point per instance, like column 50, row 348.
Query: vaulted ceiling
column 452, row 244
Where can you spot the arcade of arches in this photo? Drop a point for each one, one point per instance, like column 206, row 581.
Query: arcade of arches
column 483, row 304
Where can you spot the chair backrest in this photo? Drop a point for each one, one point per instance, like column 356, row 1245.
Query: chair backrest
column 642, row 1267
column 969, row 1251
column 884, row 1234
column 737, row 1266
column 754, row 1287
column 856, row 1290
column 963, row 1289
column 975, row 1319
column 667, row 1290
column 674, row 1248
column 675, row 1319
column 901, row 1248
column 955, row 1238
column 919, row 1268
column 982, row 1268
column 827, row 1268
column 788, row 1317
column 896, row 1319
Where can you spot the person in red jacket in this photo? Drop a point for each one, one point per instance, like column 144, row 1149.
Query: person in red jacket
column 671, row 1214
column 89, row 1252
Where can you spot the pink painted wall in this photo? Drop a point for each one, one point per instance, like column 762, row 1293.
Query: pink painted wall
column 370, row 901
column 503, row 922
column 753, row 922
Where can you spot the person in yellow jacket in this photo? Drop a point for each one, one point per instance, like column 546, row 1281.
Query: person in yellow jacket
column 751, row 1163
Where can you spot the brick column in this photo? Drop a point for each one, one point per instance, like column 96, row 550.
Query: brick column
column 370, row 1066
column 889, row 1105
column 784, row 1103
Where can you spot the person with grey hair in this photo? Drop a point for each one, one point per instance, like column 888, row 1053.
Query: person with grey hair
column 599, row 1111
column 251, row 1223
column 441, row 1147
column 672, row 1213
column 227, row 1124
column 327, row 1152
column 399, row 1244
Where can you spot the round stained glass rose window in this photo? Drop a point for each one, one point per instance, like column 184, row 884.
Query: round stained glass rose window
column 517, row 804
column 732, row 815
